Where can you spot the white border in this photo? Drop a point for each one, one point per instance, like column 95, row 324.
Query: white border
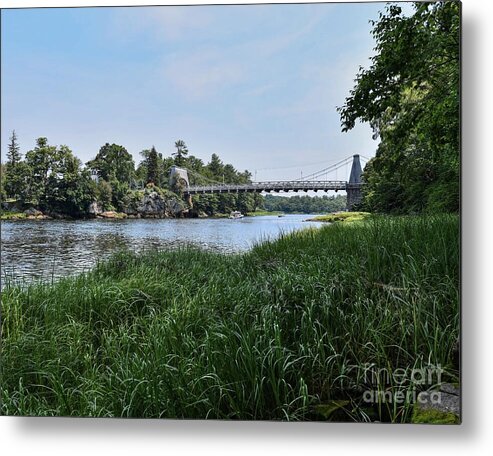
column 53, row 436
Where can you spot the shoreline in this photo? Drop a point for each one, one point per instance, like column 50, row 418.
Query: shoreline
column 209, row 310
column 20, row 216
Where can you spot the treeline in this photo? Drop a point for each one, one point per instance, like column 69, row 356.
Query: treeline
column 53, row 179
column 305, row 204
column 410, row 97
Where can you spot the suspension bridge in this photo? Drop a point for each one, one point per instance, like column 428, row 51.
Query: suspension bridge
column 317, row 181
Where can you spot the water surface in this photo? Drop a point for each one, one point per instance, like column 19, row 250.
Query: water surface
column 49, row 249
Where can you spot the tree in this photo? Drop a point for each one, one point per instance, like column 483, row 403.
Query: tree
column 152, row 167
column 39, row 161
column 114, row 162
column 181, row 152
column 16, row 172
column 104, row 195
column 215, row 166
column 410, row 97
column 69, row 190
column 13, row 154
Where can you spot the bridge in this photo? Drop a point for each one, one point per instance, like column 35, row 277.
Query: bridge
column 312, row 182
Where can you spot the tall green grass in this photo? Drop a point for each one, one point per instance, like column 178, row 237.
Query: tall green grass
column 270, row 334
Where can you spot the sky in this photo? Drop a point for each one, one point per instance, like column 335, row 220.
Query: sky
column 256, row 84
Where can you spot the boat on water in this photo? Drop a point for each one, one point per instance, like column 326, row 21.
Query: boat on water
column 236, row 215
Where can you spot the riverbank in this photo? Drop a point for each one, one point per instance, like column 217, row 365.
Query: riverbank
column 341, row 217
column 284, row 331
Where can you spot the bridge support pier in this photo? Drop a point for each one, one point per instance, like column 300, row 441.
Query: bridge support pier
column 353, row 187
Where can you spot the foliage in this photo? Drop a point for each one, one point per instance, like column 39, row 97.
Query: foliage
column 410, row 97
column 269, row 334
column 152, row 167
column 39, row 162
column 181, row 152
column 305, row 204
column 51, row 178
column 14, row 171
column 104, row 195
column 114, row 163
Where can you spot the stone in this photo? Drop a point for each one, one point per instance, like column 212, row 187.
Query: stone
column 445, row 400
column 32, row 212
column 112, row 215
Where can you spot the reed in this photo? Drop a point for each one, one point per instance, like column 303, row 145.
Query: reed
column 275, row 333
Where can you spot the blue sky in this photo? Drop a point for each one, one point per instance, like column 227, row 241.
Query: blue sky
column 256, row 84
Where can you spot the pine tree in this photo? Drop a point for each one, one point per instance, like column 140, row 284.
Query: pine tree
column 13, row 154
column 152, row 167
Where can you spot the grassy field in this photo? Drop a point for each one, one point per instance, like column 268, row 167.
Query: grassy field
column 275, row 333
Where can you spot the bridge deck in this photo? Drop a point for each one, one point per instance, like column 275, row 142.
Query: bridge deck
column 274, row 186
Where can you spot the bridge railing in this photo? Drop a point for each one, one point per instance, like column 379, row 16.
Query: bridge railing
column 268, row 186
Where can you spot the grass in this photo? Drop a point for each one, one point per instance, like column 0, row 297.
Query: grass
column 4, row 215
column 282, row 332
column 341, row 217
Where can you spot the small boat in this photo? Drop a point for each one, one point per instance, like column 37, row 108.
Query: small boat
column 281, row 215
column 236, row 215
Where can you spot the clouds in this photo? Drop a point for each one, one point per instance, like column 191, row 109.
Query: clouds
column 256, row 84
column 161, row 24
column 202, row 75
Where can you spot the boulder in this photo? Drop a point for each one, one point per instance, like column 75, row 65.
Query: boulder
column 32, row 212
column 155, row 205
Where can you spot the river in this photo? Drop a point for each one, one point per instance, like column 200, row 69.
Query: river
column 50, row 249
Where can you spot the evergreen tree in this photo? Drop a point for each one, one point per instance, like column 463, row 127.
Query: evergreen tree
column 152, row 167
column 16, row 172
column 13, row 154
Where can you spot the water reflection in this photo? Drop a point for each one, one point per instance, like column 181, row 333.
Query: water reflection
column 35, row 249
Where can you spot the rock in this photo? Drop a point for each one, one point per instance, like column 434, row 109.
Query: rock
column 94, row 209
column 155, row 205
column 450, row 389
column 32, row 212
column 439, row 406
column 112, row 215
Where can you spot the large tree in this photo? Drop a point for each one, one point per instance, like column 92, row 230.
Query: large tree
column 69, row 190
column 114, row 162
column 410, row 97
column 40, row 162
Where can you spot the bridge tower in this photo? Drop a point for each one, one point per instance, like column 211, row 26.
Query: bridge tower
column 353, row 187
column 178, row 177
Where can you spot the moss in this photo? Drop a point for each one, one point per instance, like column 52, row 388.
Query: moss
column 432, row 416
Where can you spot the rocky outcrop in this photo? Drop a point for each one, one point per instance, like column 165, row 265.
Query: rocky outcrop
column 33, row 213
column 156, row 205
column 94, row 209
